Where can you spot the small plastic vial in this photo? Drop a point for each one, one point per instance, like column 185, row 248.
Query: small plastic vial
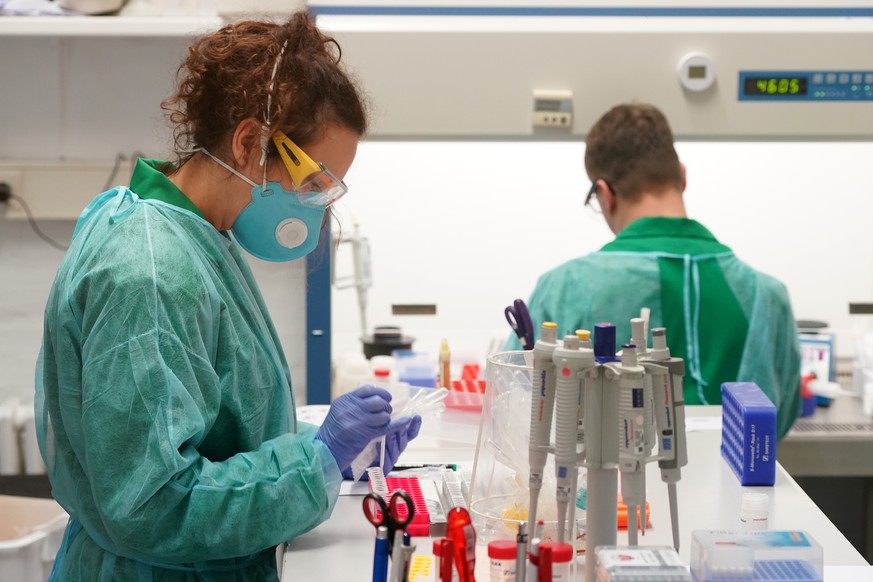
column 502, row 555
column 755, row 511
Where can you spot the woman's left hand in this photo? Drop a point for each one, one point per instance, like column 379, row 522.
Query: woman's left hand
column 398, row 435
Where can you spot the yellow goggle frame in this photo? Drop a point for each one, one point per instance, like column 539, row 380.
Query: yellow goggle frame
column 314, row 183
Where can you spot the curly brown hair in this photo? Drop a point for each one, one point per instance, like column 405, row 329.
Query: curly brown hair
column 226, row 79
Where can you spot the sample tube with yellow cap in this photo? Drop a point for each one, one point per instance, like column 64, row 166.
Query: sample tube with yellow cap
column 445, row 365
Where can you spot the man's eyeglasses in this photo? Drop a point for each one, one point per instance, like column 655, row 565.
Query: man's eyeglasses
column 591, row 199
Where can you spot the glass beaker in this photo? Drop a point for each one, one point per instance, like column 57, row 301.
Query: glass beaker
column 499, row 490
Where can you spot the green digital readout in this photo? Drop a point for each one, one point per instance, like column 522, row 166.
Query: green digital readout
column 776, row 86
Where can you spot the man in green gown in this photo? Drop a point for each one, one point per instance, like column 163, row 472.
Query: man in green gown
column 727, row 320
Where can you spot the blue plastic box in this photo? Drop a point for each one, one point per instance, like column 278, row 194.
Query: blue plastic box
column 748, row 433
column 415, row 368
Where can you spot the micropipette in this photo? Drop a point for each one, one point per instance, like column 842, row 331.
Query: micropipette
column 639, row 338
column 569, row 362
column 609, row 414
column 631, row 439
column 542, row 405
column 670, row 419
column 601, row 446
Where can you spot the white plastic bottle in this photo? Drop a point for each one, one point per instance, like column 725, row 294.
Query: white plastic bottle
column 10, row 453
column 352, row 370
column 755, row 511
column 399, row 390
column 502, row 555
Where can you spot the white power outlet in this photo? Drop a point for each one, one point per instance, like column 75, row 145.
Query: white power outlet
column 15, row 180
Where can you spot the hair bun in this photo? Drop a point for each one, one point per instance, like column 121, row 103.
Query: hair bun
column 303, row 37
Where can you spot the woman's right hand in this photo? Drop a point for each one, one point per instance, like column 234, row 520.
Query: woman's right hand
column 354, row 419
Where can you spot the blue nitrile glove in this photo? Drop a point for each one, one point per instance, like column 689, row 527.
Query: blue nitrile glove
column 400, row 432
column 397, row 436
column 354, row 419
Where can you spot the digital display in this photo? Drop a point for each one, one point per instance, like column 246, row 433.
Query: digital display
column 776, row 86
column 547, row 105
column 697, row 72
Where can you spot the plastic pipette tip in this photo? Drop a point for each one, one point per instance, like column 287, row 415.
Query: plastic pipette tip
column 378, row 484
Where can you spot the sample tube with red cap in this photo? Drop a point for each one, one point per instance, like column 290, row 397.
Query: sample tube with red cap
column 502, row 554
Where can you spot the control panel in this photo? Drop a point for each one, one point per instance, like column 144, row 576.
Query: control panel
column 806, row 85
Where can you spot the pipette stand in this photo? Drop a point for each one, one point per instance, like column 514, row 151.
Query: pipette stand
column 610, row 411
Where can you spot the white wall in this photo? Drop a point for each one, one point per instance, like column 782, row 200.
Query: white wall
column 89, row 99
column 27, row 269
column 249, row 7
column 79, row 99
column 85, row 98
column 470, row 226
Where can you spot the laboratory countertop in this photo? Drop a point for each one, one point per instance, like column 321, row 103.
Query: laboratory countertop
column 341, row 548
column 836, row 441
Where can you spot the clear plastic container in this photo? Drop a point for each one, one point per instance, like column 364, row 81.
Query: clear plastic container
column 499, row 494
column 779, row 556
column 862, row 364
column 649, row 563
column 755, row 511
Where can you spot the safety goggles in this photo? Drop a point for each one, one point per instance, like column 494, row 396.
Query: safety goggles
column 314, row 184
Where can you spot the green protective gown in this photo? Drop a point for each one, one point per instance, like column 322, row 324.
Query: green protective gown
column 728, row 321
column 164, row 404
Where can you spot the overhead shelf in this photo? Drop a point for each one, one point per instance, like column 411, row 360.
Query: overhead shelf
column 108, row 26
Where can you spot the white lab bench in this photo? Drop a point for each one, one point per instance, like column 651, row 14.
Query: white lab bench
column 709, row 498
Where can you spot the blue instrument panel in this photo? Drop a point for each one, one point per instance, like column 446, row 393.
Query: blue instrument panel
column 806, row 86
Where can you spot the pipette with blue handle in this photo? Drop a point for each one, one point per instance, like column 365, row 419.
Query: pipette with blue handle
column 601, row 389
